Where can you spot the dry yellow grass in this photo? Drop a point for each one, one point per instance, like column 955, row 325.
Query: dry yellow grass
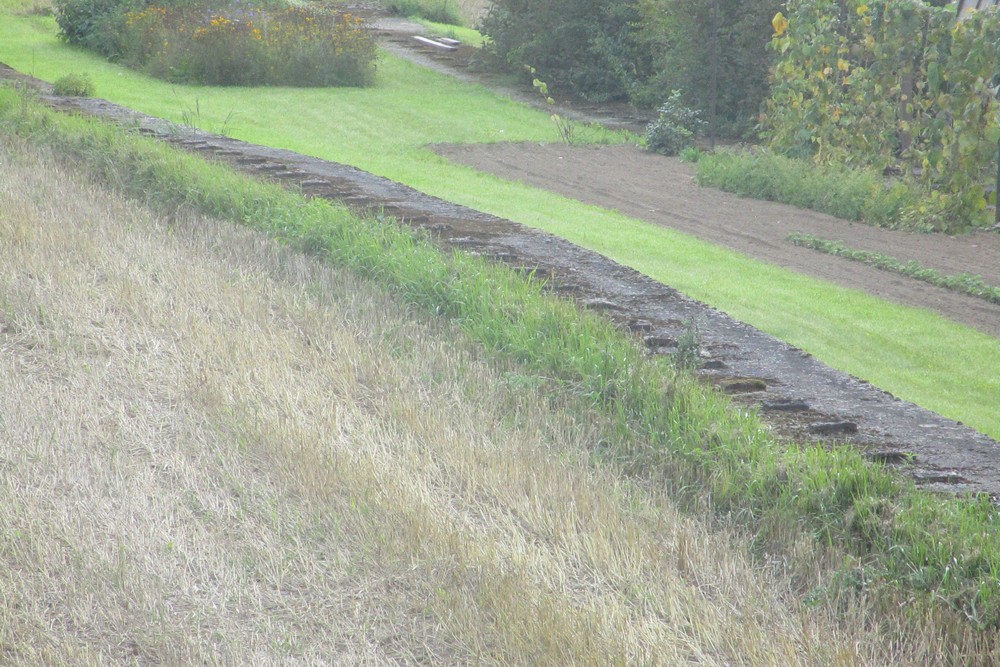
column 216, row 451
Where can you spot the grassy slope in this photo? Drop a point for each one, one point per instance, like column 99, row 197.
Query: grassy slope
column 282, row 443
column 913, row 354
column 792, row 499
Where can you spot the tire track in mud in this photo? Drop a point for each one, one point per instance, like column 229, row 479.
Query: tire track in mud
column 799, row 397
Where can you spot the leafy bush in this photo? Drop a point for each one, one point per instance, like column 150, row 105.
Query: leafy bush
column 94, row 24
column 74, row 85
column 674, row 128
column 678, row 39
column 240, row 46
column 438, row 11
column 584, row 46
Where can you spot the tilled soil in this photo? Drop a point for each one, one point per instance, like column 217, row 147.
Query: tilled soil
column 799, row 397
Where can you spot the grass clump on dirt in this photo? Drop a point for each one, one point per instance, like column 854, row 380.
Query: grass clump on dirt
column 896, row 543
column 74, row 85
column 847, row 193
column 966, row 283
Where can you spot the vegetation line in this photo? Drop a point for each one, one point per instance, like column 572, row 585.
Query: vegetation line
column 849, row 194
column 665, row 424
column 963, row 282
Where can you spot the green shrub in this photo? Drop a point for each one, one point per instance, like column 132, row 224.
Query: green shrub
column 237, row 46
column 74, row 85
column 583, row 46
column 438, row 11
column 94, row 24
column 674, row 128
column 678, row 39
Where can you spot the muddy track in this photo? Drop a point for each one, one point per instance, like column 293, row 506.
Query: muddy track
column 798, row 396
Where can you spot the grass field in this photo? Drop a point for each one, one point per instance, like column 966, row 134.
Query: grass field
column 226, row 451
column 853, row 538
column 232, row 453
column 913, row 354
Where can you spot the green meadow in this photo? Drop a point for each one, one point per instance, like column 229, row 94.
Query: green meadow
column 386, row 129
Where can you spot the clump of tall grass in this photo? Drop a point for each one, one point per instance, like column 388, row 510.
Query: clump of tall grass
column 851, row 194
column 74, row 85
column 939, row 555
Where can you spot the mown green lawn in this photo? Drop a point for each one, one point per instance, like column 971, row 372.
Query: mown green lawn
column 914, row 354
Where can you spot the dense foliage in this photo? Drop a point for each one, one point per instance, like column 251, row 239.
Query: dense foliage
column 892, row 84
column 643, row 50
column 583, row 46
column 238, row 44
column 674, row 128
column 94, row 24
column 715, row 52
column 292, row 46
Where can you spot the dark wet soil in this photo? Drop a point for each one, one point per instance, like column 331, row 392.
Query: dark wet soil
column 798, row 396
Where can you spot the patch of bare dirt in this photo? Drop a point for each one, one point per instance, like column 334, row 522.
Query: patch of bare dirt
column 799, row 397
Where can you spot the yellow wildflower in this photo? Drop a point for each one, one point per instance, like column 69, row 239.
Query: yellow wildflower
column 780, row 24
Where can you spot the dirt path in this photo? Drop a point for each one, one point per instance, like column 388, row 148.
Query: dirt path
column 662, row 191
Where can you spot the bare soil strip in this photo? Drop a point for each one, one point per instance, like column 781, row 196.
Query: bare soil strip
column 218, row 451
